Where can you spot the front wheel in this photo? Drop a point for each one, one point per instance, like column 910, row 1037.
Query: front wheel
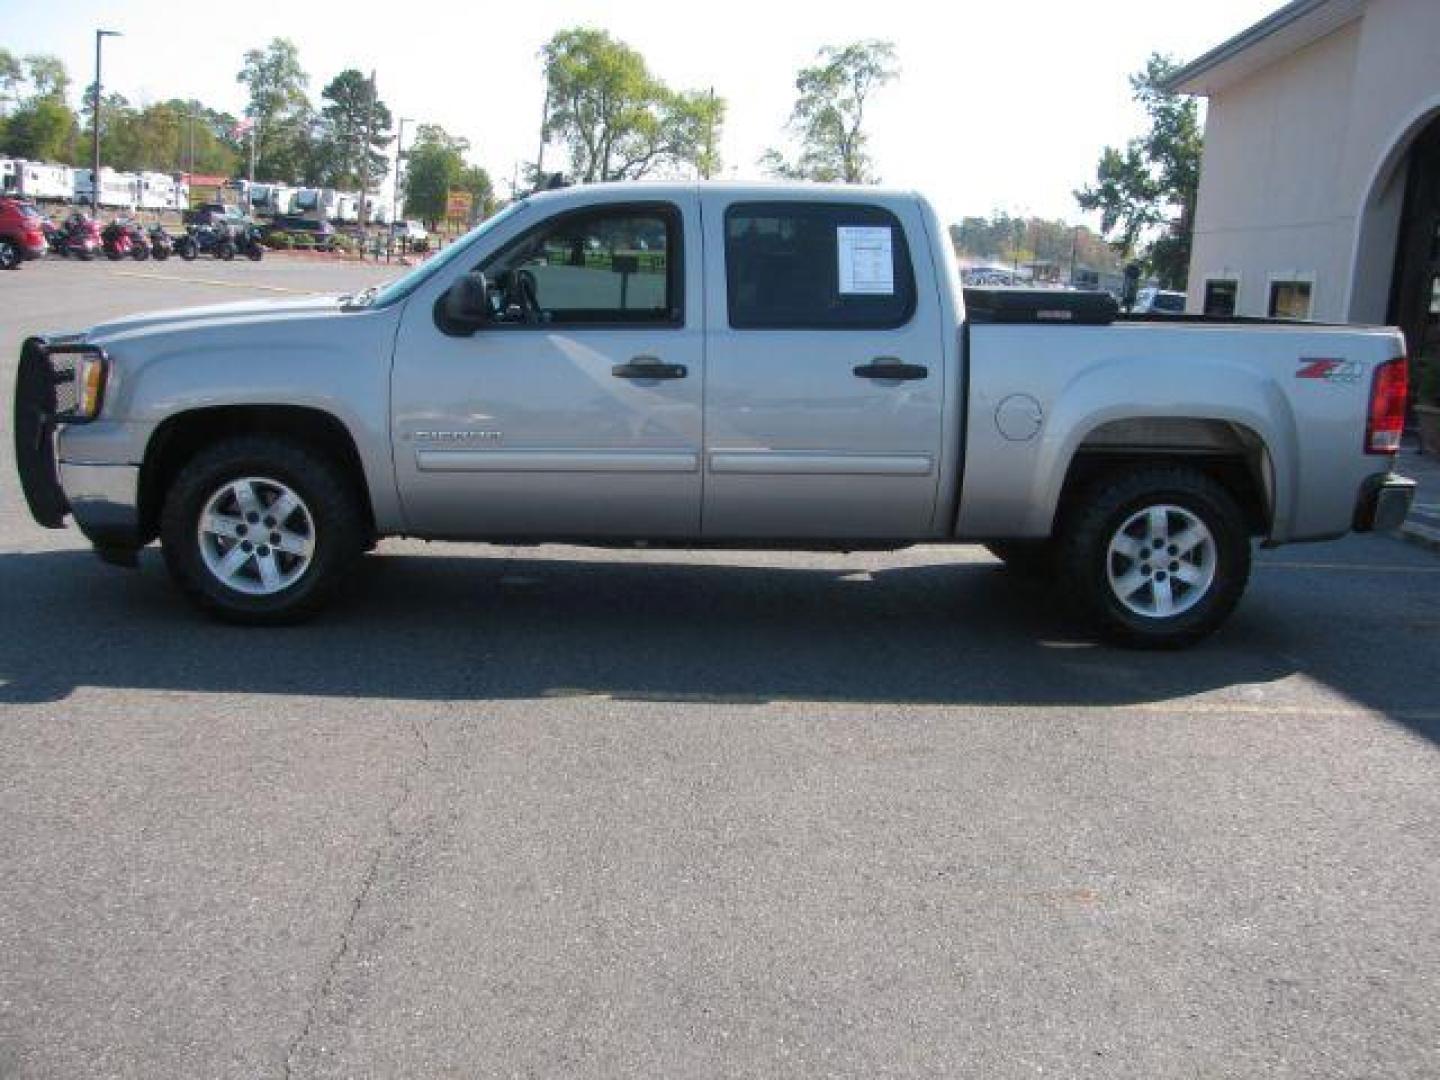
column 260, row 530
column 9, row 255
column 226, row 251
column 186, row 250
column 140, row 254
column 1155, row 557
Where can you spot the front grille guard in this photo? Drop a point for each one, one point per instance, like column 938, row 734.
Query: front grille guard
column 45, row 397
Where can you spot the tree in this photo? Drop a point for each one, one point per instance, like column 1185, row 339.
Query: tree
column 42, row 126
column 341, row 147
column 617, row 120
column 42, row 129
column 436, row 164
column 48, row 76
column 1153, row 181
column 279, row 109
column 829, row 114
column 12, row 74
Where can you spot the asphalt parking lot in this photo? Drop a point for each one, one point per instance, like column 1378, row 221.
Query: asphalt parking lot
column 558, row 813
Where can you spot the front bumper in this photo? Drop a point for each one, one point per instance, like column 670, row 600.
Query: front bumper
column 102, row 498
column 1383, row 503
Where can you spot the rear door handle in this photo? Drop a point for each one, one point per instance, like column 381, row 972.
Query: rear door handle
column 888, row 367
column 648, row 367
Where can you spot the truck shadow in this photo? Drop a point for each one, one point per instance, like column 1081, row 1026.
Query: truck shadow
column 464, row 628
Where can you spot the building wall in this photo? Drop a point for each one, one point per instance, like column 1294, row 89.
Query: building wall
column 1272, row 188
column 1303, row 172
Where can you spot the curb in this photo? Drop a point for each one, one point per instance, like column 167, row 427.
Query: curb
column 1420, row 535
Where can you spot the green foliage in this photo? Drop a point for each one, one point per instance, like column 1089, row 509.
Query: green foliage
column 278, row 241
column 618, row 121
column 39, row 124
column 280, row 109
column 12, row 75
column 42, row 129
column 1153, row 181
column 829, row 114
column 436, row 164
column 1006, row 240
column 337, row 155
column 47, row 75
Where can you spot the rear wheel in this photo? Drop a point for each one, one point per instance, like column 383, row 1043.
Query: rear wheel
column 9, row 255
column 260, row 530
column 1155, row 557
column 186, row 249
column 225, row 251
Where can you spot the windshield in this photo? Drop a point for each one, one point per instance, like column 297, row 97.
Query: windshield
column 403, row 286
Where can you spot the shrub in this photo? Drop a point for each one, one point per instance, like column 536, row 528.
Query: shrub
column 279, row 241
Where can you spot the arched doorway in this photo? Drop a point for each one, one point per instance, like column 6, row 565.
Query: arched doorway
column 1415, row 286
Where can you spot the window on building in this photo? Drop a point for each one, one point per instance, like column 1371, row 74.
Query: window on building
column 1290, row 299
column 1221, row 295
column 818, row 266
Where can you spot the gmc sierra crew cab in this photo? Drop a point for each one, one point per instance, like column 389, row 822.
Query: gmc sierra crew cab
column 713, row 365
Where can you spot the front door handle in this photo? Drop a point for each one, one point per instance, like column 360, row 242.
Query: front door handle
column 648, row 367
column 888, row 367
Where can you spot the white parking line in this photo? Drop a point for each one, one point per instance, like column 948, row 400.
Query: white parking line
column 213, row 281
column 1373, row 568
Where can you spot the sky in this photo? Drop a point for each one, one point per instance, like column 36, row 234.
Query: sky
column 1000, row 104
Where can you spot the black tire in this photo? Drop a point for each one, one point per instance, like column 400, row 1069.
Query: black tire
column 9, row 256
column 339, row 536
column 225, row 251
column 1028, row 558
column 186, row 250
column 140, row 254
column 1085, row 561
column 254, row 253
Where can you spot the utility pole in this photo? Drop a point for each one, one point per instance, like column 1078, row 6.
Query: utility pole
column 399, row 149
column 540, row 155
column 100, row 35
column 365, row 162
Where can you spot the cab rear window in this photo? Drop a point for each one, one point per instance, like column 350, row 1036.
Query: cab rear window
column 816, row 266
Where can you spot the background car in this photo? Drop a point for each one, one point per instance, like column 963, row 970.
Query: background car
column 21, row 237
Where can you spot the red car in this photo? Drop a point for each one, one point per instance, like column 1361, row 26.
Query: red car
column 20, row 234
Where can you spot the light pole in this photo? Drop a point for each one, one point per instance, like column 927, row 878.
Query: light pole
column 395, row 197
column 100, row 35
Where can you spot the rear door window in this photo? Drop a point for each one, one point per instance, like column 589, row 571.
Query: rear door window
column 816, row 266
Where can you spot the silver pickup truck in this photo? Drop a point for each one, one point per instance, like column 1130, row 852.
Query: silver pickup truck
column 713, row 365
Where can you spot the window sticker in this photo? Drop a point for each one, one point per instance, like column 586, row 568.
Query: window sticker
column 867, row 264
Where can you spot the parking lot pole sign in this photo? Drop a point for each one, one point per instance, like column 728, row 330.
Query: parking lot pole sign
column 457, row 211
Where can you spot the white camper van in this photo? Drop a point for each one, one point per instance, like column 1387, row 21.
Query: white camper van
column 37, row 180
column 119, row 191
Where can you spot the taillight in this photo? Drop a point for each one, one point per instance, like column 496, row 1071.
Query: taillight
column 1386, row 421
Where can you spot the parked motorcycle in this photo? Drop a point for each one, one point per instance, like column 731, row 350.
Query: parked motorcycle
column 115, row 240
column 162, row 244
column 77, row 236
column 206, row 240
column 139, row 241
column 247, row 242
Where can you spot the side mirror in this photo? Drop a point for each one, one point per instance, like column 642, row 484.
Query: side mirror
column 467, row 303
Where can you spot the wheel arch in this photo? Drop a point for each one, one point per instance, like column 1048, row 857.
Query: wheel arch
column 1232, row 452
column 179, row 437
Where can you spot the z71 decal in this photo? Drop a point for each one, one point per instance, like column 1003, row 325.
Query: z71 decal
column 1336, row 371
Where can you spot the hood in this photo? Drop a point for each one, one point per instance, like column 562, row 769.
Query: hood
column 242, row 311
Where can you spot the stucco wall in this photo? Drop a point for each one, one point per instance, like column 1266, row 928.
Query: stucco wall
column 1272, row 184
column 1304, row 164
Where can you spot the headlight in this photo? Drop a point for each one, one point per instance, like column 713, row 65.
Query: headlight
column 91, row 370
